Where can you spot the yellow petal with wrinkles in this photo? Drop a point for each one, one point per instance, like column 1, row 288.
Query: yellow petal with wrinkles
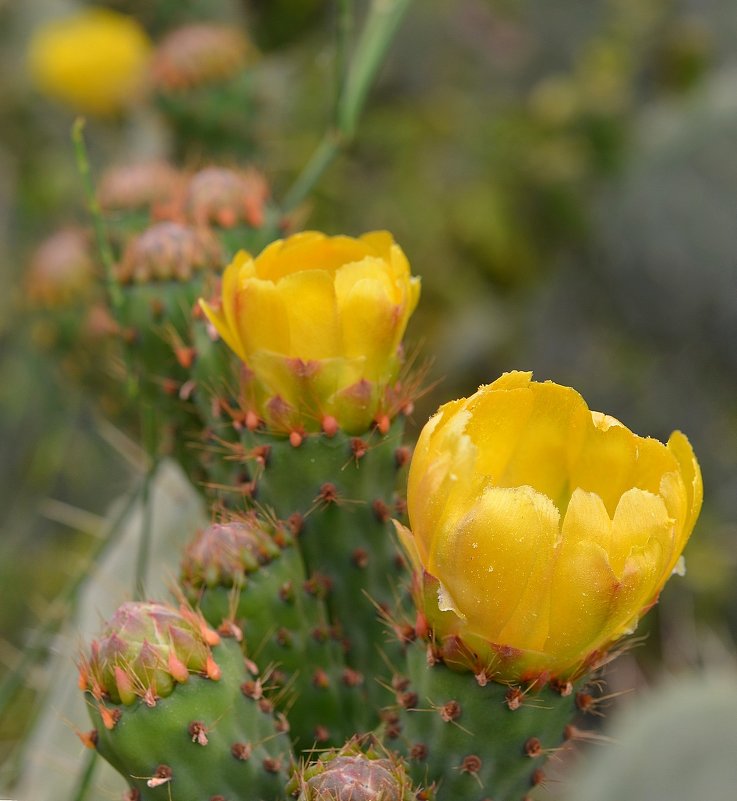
column 496, row 564
column 262, row 317
column 309, row 298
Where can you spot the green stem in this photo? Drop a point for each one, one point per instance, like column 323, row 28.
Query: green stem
column 344, row 31
column 93, row 206
column 321, row 159
column 380, row 27
column 85, row 780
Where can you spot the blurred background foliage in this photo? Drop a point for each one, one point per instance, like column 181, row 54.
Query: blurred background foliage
column 563, row 176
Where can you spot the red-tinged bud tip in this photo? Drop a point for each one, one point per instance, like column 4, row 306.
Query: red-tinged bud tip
column 212, row 669
column 177, row 668
column 295, row 439
column 329, row 425
column 253, row 421
column 124, row 685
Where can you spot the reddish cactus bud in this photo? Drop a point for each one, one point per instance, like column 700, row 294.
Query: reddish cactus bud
column 145, row 650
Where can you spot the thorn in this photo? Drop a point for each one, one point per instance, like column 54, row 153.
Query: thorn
column 352, row 678
column 253, row 690
column 402, row 456
column 272, row 764
column 162, row 775
column 320, row 679
column 360, row 558
column 241, row 751
column 359, row 448
column 418, row 753
column 88, row 738
column 322, row 734
column 450, row 711
column 533, row 747
column 381, row 510
column 514, row 698
column 471, row 764
column 198, row 732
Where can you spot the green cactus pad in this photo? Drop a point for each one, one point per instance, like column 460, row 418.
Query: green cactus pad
column 207, row 739
column 340, row 492
column 473, row 740
column 248, row 575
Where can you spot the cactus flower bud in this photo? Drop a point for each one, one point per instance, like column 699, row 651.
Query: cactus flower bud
column 94, row 61
column 146, row 649
column 350, row 774
column 318, row 321
column 542, row 531
column 223, row 553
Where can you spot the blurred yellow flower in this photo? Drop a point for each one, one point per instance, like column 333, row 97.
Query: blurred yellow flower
column 319, row 321
column 94, row 62
column 542, row 531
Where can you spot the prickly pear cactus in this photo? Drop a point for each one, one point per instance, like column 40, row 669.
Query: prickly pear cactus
column 248, row 578
column 172, row 710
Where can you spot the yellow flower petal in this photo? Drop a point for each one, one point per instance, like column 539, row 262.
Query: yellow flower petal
column 261, row 317
column 218, row 320
column 680, row 447
column 503, row 544
column 309, row 297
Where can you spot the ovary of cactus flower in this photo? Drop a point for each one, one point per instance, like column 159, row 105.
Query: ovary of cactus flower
column 94, row 61
column 318, row 322
column 353, row 773
column 145, row 650
column 541, row 531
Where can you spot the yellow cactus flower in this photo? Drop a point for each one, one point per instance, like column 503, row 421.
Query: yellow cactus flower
column 318, row 321
column 541, row 531
column 94, row 61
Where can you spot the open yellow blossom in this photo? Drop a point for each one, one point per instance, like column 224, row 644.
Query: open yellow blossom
column 319, row 320
column 542, row 531
column 94, row 61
